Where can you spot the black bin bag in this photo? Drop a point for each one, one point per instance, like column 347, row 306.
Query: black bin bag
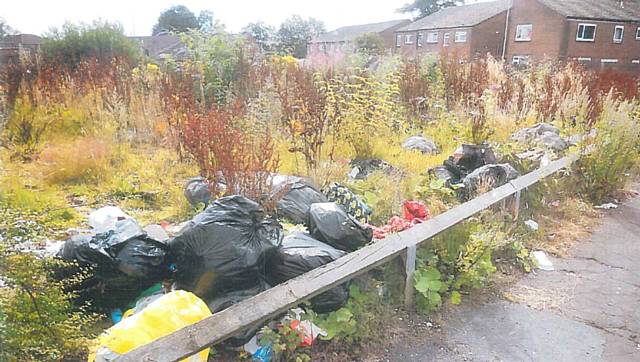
column 329, row 223
column 224, row 247
column 226, row 300
column 297, row 195
column 300, row 253
column 125, row 261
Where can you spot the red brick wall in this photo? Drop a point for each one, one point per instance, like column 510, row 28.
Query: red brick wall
column 488, row 36
column 547, row 32
column 603, row 47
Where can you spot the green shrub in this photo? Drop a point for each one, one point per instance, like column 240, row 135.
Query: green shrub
column 37, row 320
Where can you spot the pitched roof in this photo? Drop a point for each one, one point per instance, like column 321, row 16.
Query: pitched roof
column 349, row 33
column 161, row 46
column 459, row 16
column 596, row 9
column 24, row 39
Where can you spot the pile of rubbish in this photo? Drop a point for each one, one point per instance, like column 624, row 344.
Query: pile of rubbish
column 229, row 252
column 422, row 144
column 473, row 169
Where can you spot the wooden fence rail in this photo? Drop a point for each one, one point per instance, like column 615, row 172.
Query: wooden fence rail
column 216, row 328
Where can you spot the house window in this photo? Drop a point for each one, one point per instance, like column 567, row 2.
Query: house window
column 618, row 33
column 520, row 60
column 523, row 32
column 420, row 39
column 608, row 61
column 584, row 60
column 635, row 61
column 408, row 39
column 432, row 37
column 445, row 39
column 638, row 33
column 460, row 37
column 398, row 40
column 586, row 32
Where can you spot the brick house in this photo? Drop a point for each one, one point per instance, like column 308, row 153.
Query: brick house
column 12, row 47
column 597, row 33
column 335, row 44
column 465, row 30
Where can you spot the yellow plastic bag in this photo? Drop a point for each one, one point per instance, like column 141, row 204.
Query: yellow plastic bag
column 163, row 316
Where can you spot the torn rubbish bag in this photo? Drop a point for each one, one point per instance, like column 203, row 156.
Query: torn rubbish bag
column 226, row 300
column 349, row 201
column 467, row 158
column 297, row 197
column 224, row 247
column 125, row 261
column 489, row 177
column 300, row 253
column 329, row 223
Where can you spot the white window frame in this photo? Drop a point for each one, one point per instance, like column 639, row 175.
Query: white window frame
column 518, row 33
column 408, row 39
column 595, row 29
column 420, row 39
column 398, row 40
column 584, row 59
column 635, row 61
column 446, row 39
column 638, row 33
column 430, row 35
column 520, row 59
column 608, row 61
column 615, row 29
column 458, row 34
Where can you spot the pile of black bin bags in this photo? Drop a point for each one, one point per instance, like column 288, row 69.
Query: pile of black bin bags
column 226, row 254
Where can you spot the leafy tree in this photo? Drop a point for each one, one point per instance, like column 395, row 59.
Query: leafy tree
column 295, row 33
column 101, row 40
column 206, row 22
column 5, row 29
column 262, row 34
column 427, row 7
column 370, row 43
column 177, row 19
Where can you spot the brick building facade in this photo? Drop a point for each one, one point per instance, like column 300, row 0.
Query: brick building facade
column 597, row 33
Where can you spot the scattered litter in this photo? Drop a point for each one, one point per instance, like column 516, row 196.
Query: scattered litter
column 296, row 196
column 542, row 260
column 329, row 223
column 105, row 218
column 532, row 225
column 414, row 212
column 607, row 206
column 467, row 158
column 224, row 247
column 488, row 177
column 165, row 315
column 422, row 144
column 349, row 201
column 300, row 253
column 307, row 330
column 361, row 169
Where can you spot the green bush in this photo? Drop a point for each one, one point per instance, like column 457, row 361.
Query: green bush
column 37, row 319
column 613, row 153
column 101, row 40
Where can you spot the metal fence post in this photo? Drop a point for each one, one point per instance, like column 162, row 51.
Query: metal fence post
column 410, row 268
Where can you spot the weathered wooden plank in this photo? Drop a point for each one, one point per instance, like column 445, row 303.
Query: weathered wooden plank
column 409, row 268
column 216, row 328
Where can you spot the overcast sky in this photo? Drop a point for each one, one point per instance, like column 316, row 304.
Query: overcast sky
column 139, row 16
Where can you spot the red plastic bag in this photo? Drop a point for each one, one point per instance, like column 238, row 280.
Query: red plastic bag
column 414, row 212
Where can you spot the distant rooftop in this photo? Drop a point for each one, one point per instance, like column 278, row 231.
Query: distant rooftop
column 349, row 33
column 459, row 16
column 161, row 46
column 24, row 39
column 626, row 10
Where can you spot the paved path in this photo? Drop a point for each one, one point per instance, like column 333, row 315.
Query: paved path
column 588, row 309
